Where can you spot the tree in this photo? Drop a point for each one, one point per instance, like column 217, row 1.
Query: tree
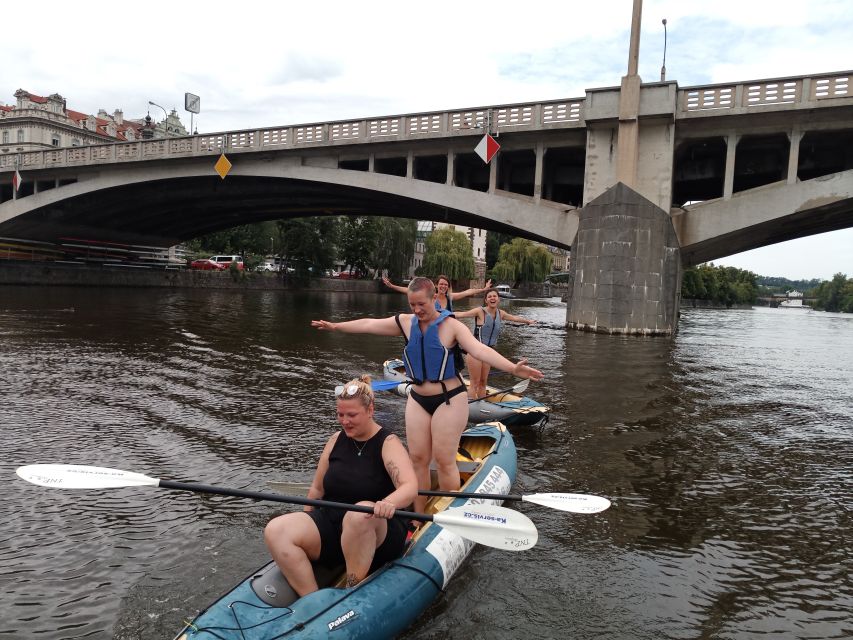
column 835, row 294
column 395, row 245
column 723, row 285
column 309, row 243
column 448, row 252
column 359, row 236
column 522, row 261
column 494, row 242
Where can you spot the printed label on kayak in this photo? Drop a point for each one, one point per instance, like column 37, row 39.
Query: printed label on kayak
column 449, row 549
column 341, row 620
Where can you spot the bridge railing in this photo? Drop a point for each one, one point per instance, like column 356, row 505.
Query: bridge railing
column 796, row 91
column 555, row 114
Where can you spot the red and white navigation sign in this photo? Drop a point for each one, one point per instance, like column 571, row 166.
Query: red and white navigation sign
column 487, row 148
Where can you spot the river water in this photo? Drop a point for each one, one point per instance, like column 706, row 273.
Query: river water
column 727, row 452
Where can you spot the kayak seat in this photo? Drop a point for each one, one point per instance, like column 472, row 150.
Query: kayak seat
column 273, row 588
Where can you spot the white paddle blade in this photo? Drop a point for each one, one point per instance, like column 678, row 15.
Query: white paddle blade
column 521, row 386
column 491, row 526
column 75, row 476
column 572, row 502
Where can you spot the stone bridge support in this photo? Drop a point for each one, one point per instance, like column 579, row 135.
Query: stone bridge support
column 625, row 275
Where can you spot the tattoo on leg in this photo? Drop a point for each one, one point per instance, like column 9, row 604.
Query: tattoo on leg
column 352, row 580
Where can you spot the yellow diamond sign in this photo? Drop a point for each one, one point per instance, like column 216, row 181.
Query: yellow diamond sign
column 222, row 166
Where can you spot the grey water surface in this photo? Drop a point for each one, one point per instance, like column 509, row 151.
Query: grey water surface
column 727, row 452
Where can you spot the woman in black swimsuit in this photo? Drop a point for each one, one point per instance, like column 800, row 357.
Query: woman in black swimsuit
column 361, row 464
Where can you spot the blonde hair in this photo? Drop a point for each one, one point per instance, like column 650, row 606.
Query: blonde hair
column 358, row 388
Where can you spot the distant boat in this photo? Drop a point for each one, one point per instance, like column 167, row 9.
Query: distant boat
column 794, row 301
column 504, row 291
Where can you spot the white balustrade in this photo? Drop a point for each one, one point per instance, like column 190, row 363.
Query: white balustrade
column 561, row 112
column 344, row 130
column 273, row 137
column 425, row 124
column 831, row 87
column 383, row 127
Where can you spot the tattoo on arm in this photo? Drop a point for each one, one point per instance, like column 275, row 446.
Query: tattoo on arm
column 394, row 472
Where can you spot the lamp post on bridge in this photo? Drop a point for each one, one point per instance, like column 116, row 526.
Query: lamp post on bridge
column 165, row 116
column 663, row 66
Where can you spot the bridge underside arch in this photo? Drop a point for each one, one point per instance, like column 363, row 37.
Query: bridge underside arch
column 162, row 211
column 765, row 216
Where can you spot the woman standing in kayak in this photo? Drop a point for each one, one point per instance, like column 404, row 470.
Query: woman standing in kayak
column 437, row 408
column 488, row 321
column 364, row 464
column 444, row 295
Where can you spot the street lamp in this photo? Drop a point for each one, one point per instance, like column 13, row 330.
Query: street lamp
column 663, row 66
column 165, row 114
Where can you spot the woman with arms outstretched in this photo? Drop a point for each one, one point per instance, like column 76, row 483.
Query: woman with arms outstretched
column 437, row 408
column 444, row 294
column 488, row 321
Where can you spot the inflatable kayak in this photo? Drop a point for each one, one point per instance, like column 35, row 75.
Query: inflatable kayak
column 508, row 408
column 263, row 606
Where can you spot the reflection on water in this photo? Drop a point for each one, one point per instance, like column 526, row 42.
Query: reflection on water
column 726, row 450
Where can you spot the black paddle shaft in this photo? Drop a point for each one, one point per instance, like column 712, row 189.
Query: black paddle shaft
column 462, row 494
column 273, row 497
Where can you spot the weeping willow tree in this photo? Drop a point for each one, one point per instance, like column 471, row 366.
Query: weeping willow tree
column 448, row 252
column 522, row 261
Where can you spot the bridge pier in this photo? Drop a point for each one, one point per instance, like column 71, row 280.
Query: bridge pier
column 625, row 275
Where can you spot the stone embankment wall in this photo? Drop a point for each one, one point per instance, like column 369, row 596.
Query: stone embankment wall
column 52, row 274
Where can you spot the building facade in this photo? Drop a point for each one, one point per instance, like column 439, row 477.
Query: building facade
column 37, row 122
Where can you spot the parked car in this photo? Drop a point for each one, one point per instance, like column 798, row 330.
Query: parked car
column 268, row 265
column 217, row 263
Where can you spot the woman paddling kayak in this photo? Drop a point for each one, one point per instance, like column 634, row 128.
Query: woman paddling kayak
column 362, row 464
column 444, row 295
column 488, row 321
column 437, row 408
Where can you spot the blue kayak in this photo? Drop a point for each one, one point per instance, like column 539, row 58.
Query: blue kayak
column 510, row 409
column 264, row 607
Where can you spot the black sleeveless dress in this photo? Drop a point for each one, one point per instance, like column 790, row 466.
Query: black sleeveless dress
column 356, row 472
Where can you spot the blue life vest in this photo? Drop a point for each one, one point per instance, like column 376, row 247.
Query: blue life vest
column 439, row 308
column 425, row 358
column 488, row 332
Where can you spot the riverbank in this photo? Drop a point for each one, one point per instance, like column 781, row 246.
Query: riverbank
column 694, row 303
column 74, row 275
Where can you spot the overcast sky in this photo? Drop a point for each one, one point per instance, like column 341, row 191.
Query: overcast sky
column 259, row 64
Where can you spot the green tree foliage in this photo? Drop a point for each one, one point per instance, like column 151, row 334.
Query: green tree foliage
column 722, row 285
column 448, row 252
column 395, row 246
column 244, row 239
column 835, row 294
column 494, row 242
column 522, row 261
column 309, row 243
column 359, row 237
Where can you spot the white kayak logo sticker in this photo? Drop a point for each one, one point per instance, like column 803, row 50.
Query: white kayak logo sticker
column 484, row 516
column 341, row 620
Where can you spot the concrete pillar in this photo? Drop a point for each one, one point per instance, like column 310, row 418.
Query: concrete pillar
column 410, row 164
column 371, row 162
column 794, row 155
column 537, row 172
column 729, row 179
column 493, row 176
column 450, row 167
column 625, row 274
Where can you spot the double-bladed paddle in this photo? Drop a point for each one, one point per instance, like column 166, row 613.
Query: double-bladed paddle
column 571, row 502
column 516, row 388
column 488, row 525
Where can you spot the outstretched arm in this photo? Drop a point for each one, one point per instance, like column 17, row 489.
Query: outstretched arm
column 488, row 355
column 375, row 326
column 315, row 491
column 512, row 318
column 471, row 292
column 395, row 287
column 471, row 313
